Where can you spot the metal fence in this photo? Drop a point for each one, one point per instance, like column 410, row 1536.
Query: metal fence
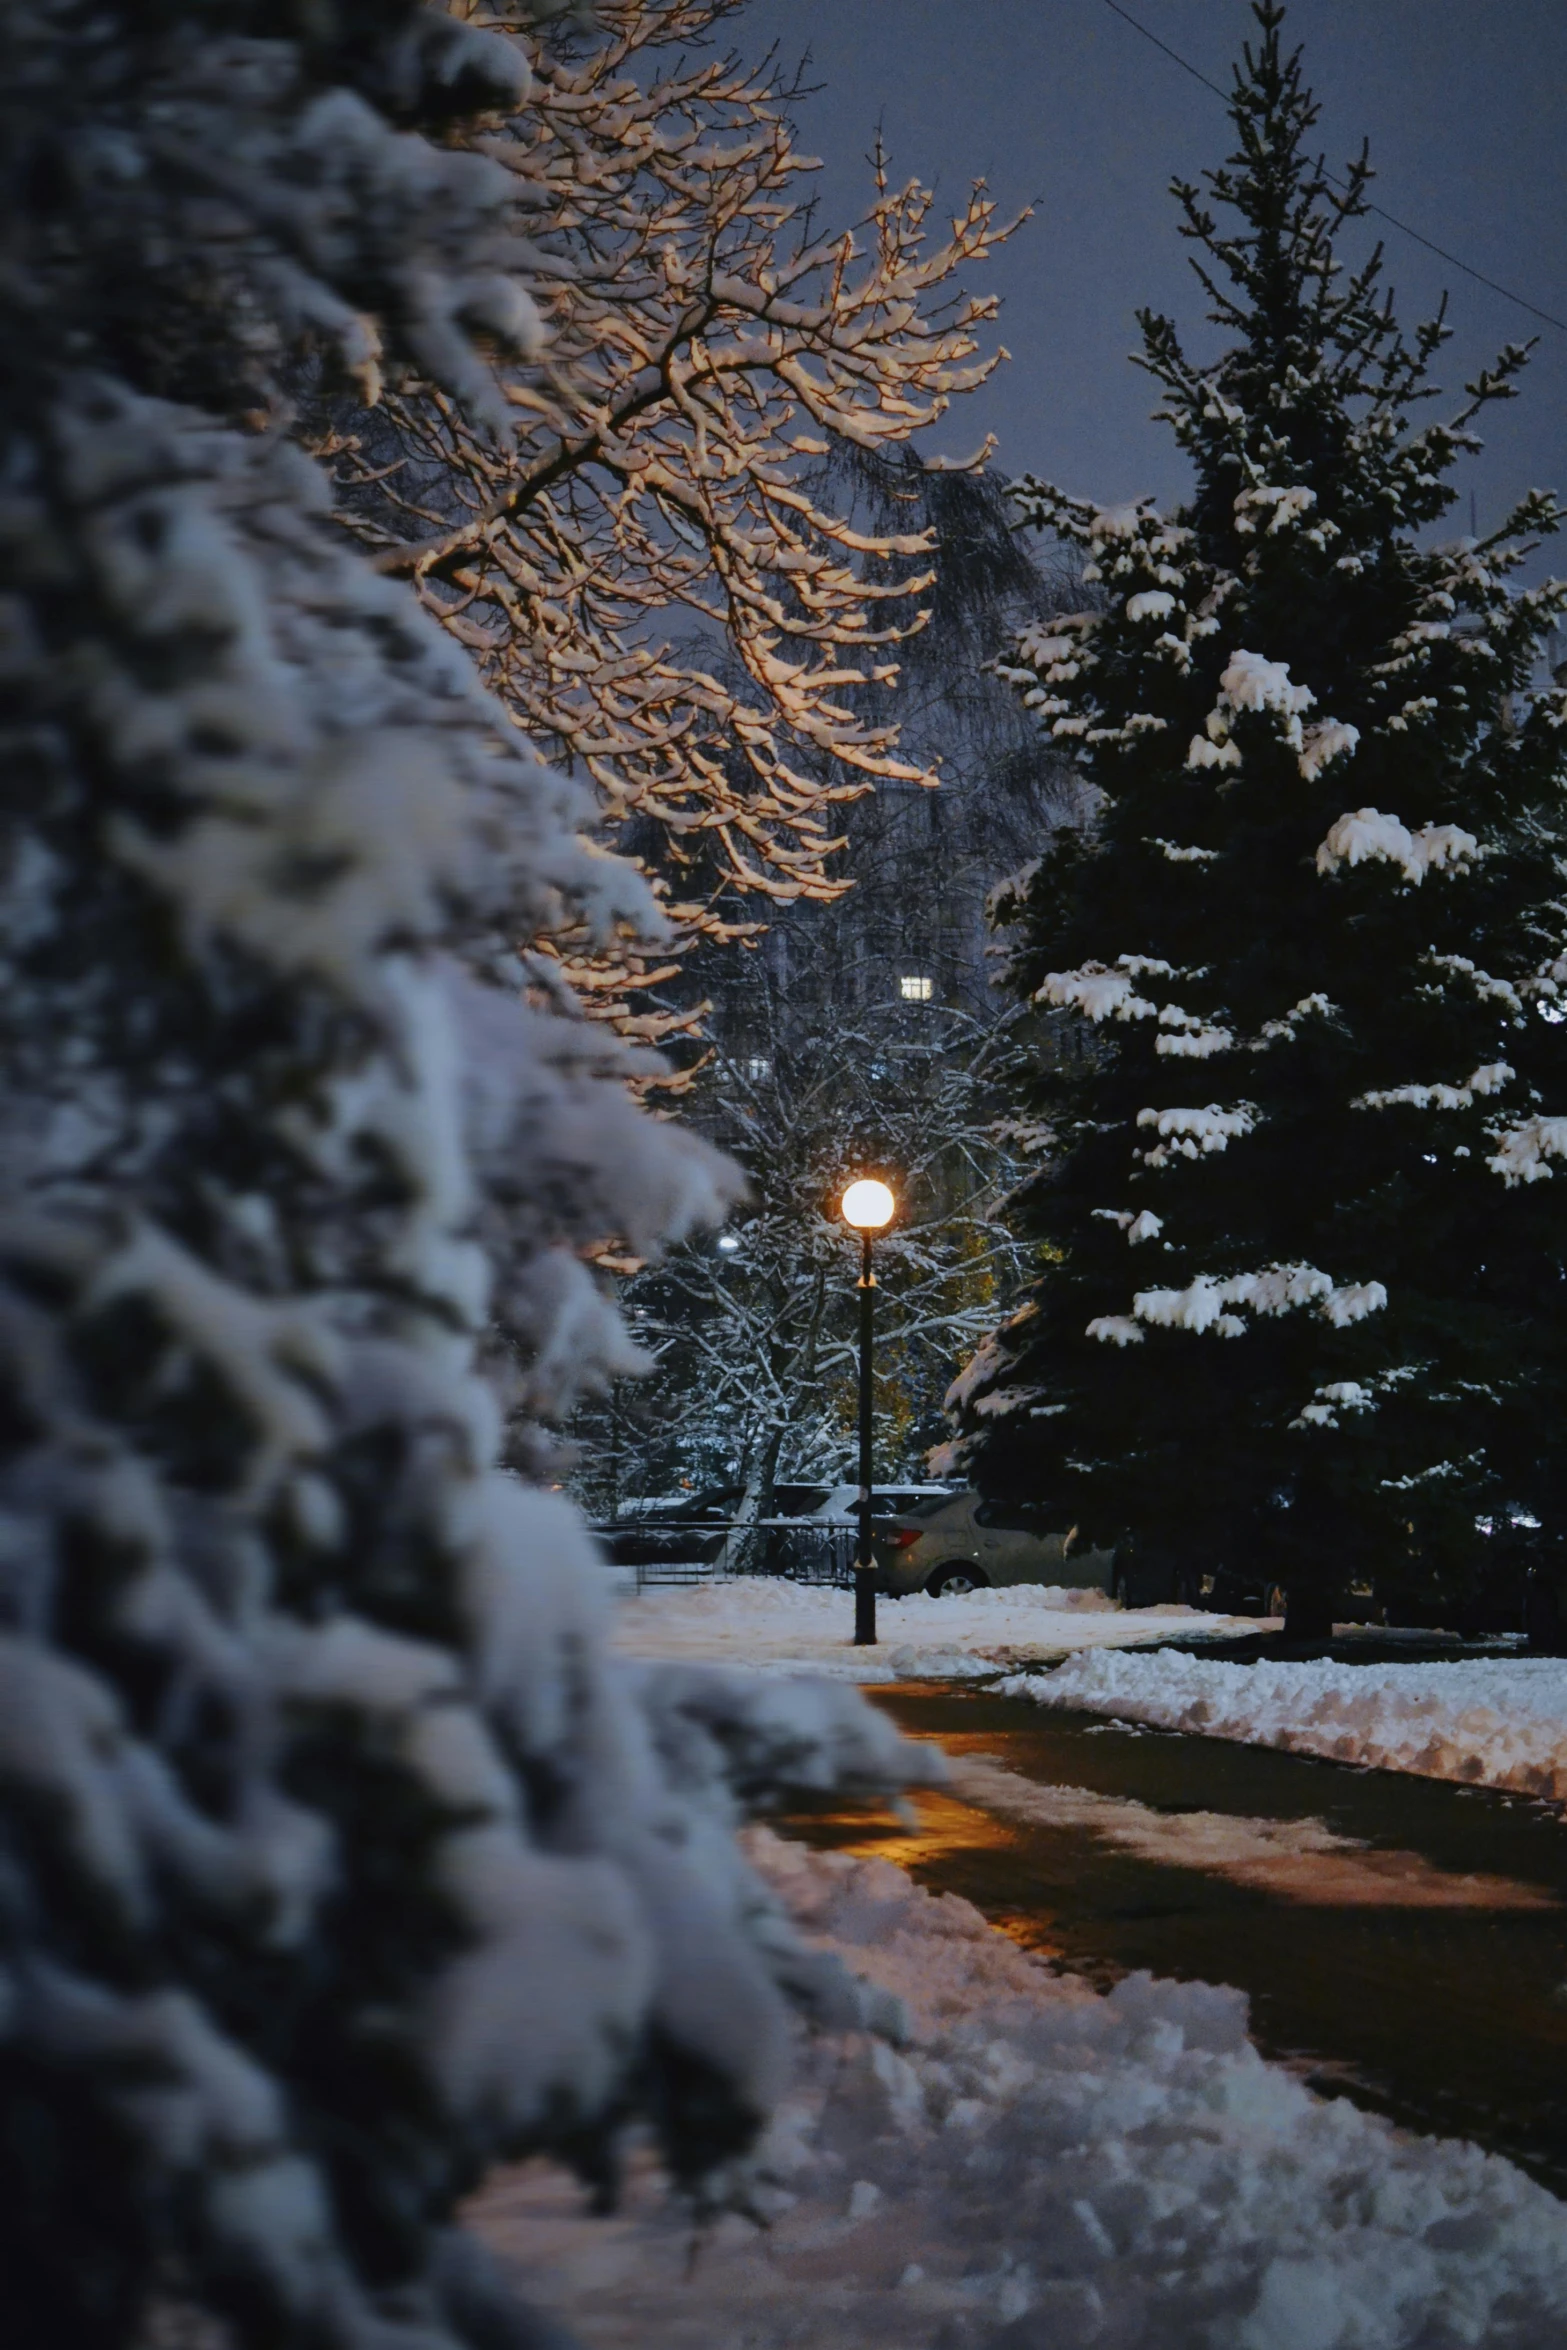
column 669, row 1554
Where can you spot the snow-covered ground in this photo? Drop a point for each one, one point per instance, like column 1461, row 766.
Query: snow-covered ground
column 1493, row 1721
column 771, row 1623
column 1048, row 2169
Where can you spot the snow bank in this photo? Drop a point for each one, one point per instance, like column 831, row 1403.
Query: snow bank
column 1494, row 1721
column 777, row 1625
column 1048, row 2169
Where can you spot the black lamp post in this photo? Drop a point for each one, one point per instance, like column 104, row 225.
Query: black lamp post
column 867, row 1207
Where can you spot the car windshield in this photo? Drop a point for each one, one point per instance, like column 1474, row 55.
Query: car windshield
column 712, row 1501
column 888, row 1501
column 716, row 1501
column 928, row 1504
column 794, row 1500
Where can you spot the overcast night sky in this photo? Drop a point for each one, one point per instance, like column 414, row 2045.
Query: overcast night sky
column 1059, row 103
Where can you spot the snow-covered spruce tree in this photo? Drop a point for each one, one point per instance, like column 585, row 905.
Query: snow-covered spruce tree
column 336, row 1857
column 1303, row 1298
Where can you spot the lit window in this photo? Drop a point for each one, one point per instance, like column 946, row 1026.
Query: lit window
column 915, row 987
column 758, row 1065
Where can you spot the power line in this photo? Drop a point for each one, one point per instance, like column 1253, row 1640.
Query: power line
column 1173, row 54
column 1380, row 210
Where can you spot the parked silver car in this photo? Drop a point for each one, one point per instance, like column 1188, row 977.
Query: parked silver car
column 960, row 1542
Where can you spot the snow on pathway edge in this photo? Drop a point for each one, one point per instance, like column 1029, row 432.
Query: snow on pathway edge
column 775, row 1625
column 1488, row 1721
column 1045, row 2165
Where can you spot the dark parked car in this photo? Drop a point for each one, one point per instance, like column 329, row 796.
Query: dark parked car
column 1225, row 1591
column 1515, row 1582
column 675, row 1535
column 672, row 1530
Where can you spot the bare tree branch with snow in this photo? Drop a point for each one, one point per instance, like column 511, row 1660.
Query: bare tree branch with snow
column 653, row 568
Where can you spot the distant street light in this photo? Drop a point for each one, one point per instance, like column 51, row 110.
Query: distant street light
column 867, row 1206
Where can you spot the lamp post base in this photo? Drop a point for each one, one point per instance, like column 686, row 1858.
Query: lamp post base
column 864, row 1607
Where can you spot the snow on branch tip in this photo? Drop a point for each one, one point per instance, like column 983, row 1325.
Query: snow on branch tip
column 1205, row 1303
column 1369, row 837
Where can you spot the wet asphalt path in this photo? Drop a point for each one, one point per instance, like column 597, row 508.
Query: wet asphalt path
column 1403, row 1941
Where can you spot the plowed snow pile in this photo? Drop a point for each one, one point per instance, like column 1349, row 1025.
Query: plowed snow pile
column 769, row 1622
column 1047, row 2169
column 1493, row 1721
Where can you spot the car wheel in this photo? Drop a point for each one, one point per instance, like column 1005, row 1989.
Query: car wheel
column 956, row 1580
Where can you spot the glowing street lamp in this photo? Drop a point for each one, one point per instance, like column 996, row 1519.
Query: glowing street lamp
column 867, row 1206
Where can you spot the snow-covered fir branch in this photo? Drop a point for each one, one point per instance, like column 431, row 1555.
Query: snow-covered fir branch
column 341, row 1859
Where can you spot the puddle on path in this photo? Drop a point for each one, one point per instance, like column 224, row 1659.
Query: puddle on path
column 1403, row 1941
column 1299, row 1860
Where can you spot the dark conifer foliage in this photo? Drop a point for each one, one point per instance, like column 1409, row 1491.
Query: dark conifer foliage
column 338, row 1856
column 1303, row 1253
